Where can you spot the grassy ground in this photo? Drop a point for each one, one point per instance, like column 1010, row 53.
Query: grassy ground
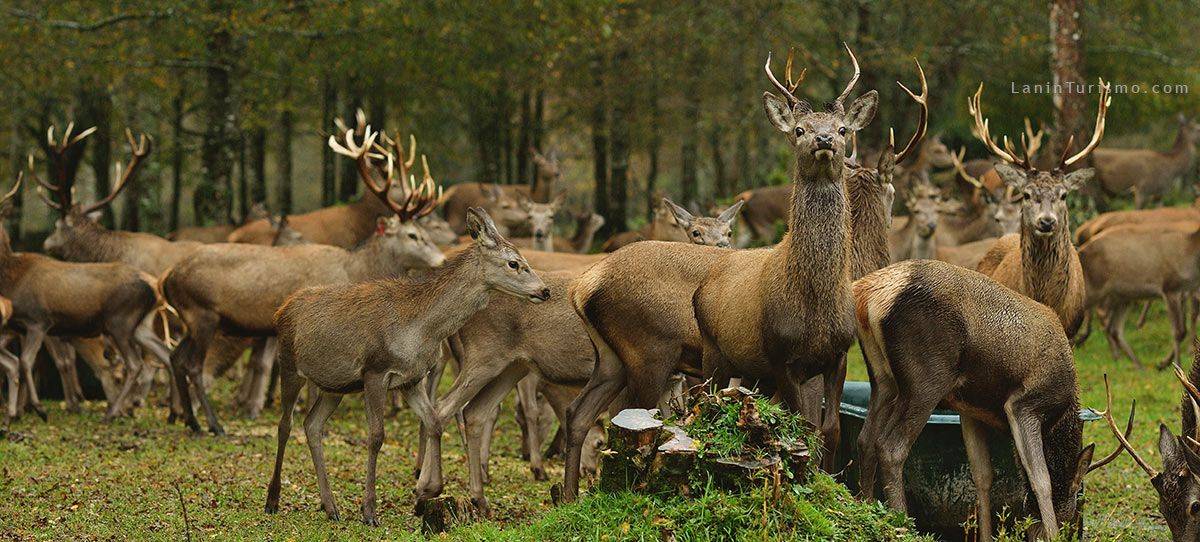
column 78, row 478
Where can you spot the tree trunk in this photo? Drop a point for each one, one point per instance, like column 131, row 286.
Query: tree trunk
column 377, row 115
column 1066, row 65
column 600, row 167
column 349, row 176
column 96, row 110
column 328, row 159
column 655, row 145
column 258, row 167
column 176, row 159
column 689, row 181
column 243, row 186
column 721, row 182
column 525, row 141
column 286, row 129
column 17, row 165
column 539, row 120
column 623, row 117
column 211, row 198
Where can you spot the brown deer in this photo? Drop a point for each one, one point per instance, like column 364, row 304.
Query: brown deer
column 915, row 239
column 638, row 303
column 61, row 299
column 674, row 223
column 1148, row 173
column 219, row 233
column 1129, row 263
column 1178, row 483
column 381, row 335
column 1104, row 221
column 988, row 213
column 1040, row 261
column 540, row 220
column 925, row 344
column 236, row 288
column 501, row 200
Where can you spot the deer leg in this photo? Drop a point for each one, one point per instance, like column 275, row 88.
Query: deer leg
column 135, row 375
column 250, row 375
column 12, row 372
column 257, row 396
column 417, row 397
column 30, row 345
column 1027, row 433
column 183, row 356
column 975, row 437
column 1142, row 317
column 289, row 384
column 478, row 416
column 1174, row 303
column 202, row 332
column 62, row 361
column 92, row 353
column 314, row 432
column 607, row 379
column 148, row 340
column 375, row 398
column 487, row 432
column 831, row 426
column 1115, row 329
column 529, row 402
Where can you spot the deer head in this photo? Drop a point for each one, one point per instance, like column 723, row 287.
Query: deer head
column 1043, row 193
column 502, row 266
column 713, row 232
column 541, row 217
column 285, row 235
column 925, row 204
column 548, row 168
column 936, row 153
column 506, row 209
column 818, row 137
column 438, row 229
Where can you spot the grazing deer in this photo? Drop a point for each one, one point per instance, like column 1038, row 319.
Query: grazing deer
column 1148, row 173
column 502, row 200
column 1178, row 484
column 382, row 335
column 219, row 233
column 1126, row 264
column 50, row 297
column 236, row 288
column 1040, row 261
column 926, row 344
column 915, row 239
column 674, row 223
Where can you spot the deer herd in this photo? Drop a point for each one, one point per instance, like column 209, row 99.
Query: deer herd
column 968, row 301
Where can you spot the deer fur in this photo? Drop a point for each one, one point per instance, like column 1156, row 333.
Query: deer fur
column 925, row 344
column 502, row 201
column 219, row 233
column 1150, row 174
column 387, row 334
column 1128, row 263
column 966, row 256
column 1104, row 221
column 915, row 239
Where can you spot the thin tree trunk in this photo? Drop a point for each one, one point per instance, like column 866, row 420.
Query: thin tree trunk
column 720, row 175
column 349, row 178
column 243, row 186
column 377, row 115
column 689, row 180
column 1066, row 66
column 600, row 166
column 539, row 120
column 328, row 160
column 96, row 105
column 17, row 164
column 258, row 166
column 286, row 129
column 211, row 198
column 176, row 159
column 524, row 142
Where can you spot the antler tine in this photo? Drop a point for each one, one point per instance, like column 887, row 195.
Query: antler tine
column 853, row 80
column 138, row 152
column 38, row 179
column 79, row 137
column 1035, row 139
column 791, row 98
column 1192, row 392
column 1120, row 448
column 16, row 187
column 981, row 127
column 46, row 199
column 962, row 170
column 1098, row 133
column 922, row 120
column 787, row 72
column 1112, row 425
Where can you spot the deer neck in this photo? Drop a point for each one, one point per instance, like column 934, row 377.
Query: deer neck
column 1045, row 264
column 372, row 261
column 924, row 248
column 546, row 244
column 870, row 220
column 814, row 252
column 453, row 294
column 1182, row 151
column 89, row 242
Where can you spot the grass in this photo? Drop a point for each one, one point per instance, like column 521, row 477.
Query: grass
column 76, row 477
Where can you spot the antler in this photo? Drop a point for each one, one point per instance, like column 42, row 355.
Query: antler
column 420, row 201
column 1192, row 393
column 137, row 153
column 56, row 151
column 789, row 89
column 838, row 103
column 962, row 170
column 922, row 120
column 984, row 135
column 1097, row 134
column 1124, row 442
column 16, row 187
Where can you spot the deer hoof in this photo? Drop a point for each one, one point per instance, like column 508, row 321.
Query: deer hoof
column 333, row 515
column 217, row 431
column 482, row 508
column 41, row 412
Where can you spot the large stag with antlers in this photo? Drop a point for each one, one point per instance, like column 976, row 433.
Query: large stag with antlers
column 926, row 344
column 638, row 303
column 236, row 288
column 1040, row 261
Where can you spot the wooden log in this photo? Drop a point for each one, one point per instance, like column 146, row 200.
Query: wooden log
column 632, row 437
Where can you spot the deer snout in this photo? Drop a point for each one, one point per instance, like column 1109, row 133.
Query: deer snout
column 539, row 234
column 543, row 295
column 1046, row 223
column 824, row 141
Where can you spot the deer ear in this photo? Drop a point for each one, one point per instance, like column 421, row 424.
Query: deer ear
column 1076, row 179
column 559, row 200
column 682, row 216
column 729, row 215
column 481, row 227
column 524, row 201
column 1081, row 467
column 861, row 111
column 779, row 113
column 1011, row 175
column 492, row 193
column 1169, row 448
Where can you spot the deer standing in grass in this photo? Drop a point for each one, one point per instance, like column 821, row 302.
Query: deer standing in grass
column 1040, row 261
column 1150, row 174
column 927, row 343
column 382, row 335
column 236, row 288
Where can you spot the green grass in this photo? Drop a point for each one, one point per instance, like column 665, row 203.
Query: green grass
column 79, row 478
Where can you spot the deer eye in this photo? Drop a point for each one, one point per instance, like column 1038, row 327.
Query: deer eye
column 412, row 236
column 1194, row 508
column 842, row 131
column 799, row 131
column 695, row 233
column 512, row 264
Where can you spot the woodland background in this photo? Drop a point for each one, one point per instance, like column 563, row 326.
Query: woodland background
column 636, row 96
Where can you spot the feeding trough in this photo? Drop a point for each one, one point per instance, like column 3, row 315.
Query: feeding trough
column 937, row 477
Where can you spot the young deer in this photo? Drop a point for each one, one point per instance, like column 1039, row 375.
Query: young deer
column 381, row 335
column 1040, row 261
column 541, row 220
column 925, row 344
column 236, row 288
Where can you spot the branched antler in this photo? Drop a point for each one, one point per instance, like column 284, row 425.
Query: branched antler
column 839, row 103
column 420, row 199
column 1112, row 425
column 922, row 120
column 138, row 150
column 1097, row 133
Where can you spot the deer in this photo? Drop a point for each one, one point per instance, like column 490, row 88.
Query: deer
column 220, row 232
column 1124, row 264
column 926, row 344
column 501, row 200
column 1177, row 484
column 396, row 328
column 674, row 223
column 1148, row 173
column 999, row 214
column 638, row 303
column 236, row 288
column 1040, row 261
column 916, row 239
column 67, row 300
column 540, row 218
column 1111, row 219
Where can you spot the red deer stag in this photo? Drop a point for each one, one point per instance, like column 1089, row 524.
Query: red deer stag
column 1040, row 261
column 926, row 344
column 383, row 335
column 236, row 289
